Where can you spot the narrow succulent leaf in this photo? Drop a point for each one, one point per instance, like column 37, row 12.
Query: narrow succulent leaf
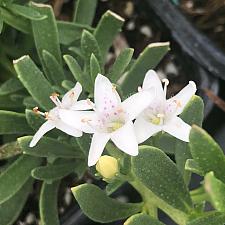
column 26, row 12
column 95, row 68
column 29, row 102
column 45, row 33
column 84, row 143
column 10, row 86
column 207, row 153
column 48, row 204
column 89, row 46
column 54, row 172
column 41, row 89
column 192, row 165
column 148, row 59
column 18, row 22
column 142, row 219
column 48, row 147
column 54, row 70
column 70, row 32
column 68, row 84
column 81, row 8
column 10, row 210
column 16, row 175
column 6, row 103
column 108, row 27
column 165, row 181
column 105, row 212
column 34, row 120
column 121, row 63
column 193, row 113
column 13, row 123
column 211, row 218
column 77, row 72
column 9, row 150
column 216, row 190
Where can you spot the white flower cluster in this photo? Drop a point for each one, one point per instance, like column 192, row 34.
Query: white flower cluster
column 126, row 123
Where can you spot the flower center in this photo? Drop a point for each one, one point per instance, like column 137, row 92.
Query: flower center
column 115, row 125
column 157, row 119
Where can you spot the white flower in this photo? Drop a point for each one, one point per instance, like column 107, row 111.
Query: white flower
column 111, row 119
column 162, row 114
column 69, row 101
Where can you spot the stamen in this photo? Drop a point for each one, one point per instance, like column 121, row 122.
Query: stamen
column 55, row 99
column 36, row 110
column 166, row 81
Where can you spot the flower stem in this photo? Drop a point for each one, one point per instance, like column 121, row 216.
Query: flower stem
column 152, row 202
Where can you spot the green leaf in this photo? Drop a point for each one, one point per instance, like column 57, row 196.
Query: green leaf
column 9, row 150
column 6, row 103
column 41, row 89
column 163, row 141
column 108, row 209
column 192, row 165
column 216, row 190
column 54, row 172
column 70, row 32
column 89, row 46
column 18, row 22
column 54, row 70
column 48, row 147
column 158, row 173
column 13, row 123
column 78, row 73
column 16, row 175
column 85, row 11
column 142, row 219
column 48, row 204
column 149, row 59
column 211, row 218
column 10, row 210
column 193, row 113
column 112, row 187
column 67, row 84
column 1, row 24
column 10, row 86
column 34, row 120
column 45, row 33
column 108, row 27
column 121, row 63
column 26, row 12
column 94, row 67
column 207, row 153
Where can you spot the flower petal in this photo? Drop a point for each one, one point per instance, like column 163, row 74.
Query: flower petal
column 99, row 140
column 72, row 95
column 81, row 120
column 152, row 80
column 182, row 98
column 138, row 102
column 178, row 128
column 68, row 129
column 145, row 129
column 45, row 127
column 105, row 94
column 82, row 105
column 125, row 139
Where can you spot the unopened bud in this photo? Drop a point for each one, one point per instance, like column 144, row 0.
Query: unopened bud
column 107, row 166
